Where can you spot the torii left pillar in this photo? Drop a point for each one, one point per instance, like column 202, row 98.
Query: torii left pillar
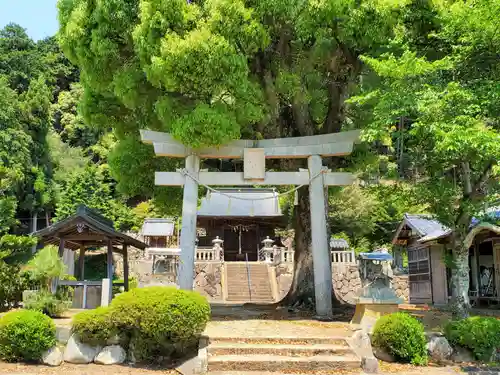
column 188, row 231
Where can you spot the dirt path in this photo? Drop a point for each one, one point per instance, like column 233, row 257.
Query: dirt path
column 68, row 369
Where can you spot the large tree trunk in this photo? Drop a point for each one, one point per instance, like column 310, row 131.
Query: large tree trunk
column 460, row 277
column 301, row 293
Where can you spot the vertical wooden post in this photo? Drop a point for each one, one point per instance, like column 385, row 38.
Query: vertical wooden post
column 55, row 281
column 125, row 267
column 322, row 266
column 109, row 271
column 188, row 231
column 81, row 263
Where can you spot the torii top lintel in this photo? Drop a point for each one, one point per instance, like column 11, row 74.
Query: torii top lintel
column 335, row 144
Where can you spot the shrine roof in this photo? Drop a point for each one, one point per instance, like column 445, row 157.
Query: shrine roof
column 240, row 202
column 85, row 226
column 158, row 227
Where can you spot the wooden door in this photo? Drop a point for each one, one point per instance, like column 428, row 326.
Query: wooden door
column 419, row 274
column 439, row 277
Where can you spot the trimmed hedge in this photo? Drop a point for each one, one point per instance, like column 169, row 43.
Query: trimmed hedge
column 25, row 335
column 479, row 334
column 403, row 336
column 158, row 322
column 94, row 327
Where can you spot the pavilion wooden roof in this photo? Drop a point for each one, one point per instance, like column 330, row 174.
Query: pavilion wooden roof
column 86, row 228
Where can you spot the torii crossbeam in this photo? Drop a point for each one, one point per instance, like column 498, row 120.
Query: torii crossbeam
column 254, row 154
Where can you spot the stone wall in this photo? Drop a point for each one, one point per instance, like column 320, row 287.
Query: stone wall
column 284, row 277
column 346, row 282
column 208, row 279
column 401, row 286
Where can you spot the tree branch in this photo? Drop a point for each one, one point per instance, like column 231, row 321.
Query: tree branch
column 473, row 193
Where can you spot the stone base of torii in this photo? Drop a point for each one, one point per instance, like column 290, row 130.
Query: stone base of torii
column 254, row 153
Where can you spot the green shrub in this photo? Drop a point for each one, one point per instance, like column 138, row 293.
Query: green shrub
column 47, row 303
column 12, row 285
column 402, row 336
column 94, row 327
column 133, row 283
column 479, row 334
column 25, row 335
column 161, row 320
column 158, row 322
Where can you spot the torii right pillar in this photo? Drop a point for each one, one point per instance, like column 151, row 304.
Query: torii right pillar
column 322, row 264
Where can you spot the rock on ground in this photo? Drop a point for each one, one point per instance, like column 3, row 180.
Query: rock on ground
column 383, row 355
column 111, row 355
column 439, row 349
column 78, row 352
column 462, row 355
column 52, row 357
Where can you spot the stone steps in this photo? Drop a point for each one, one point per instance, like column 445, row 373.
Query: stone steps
column 278, row 363
column 278, row 355
column 277, row 349
column 237, row 280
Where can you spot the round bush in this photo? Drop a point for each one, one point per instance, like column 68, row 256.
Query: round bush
column 169, row 320
column 94, row 327
column 479, row 334
column 402, row 336
column 25, row 335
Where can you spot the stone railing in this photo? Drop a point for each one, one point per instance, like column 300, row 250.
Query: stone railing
column 344, row 257
column 211, row 254
column 287, row 255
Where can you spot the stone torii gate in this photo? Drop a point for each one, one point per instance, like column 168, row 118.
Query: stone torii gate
column 254, row 154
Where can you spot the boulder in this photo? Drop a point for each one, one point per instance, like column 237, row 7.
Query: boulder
column 439, row 349
column 369, row 364
column 78, row 352
column 111, row 355
column 52, row 357
column 461, row 355
column 383, row 355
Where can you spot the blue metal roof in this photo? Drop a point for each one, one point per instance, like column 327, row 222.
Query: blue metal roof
column 376, row 256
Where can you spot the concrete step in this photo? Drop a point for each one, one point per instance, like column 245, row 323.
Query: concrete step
column 277, row 349
column 338, row 341
column 275, row 363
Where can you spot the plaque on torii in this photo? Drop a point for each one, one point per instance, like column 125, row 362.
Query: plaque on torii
column 254, row 153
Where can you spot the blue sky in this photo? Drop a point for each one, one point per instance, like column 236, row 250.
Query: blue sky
column 38, row 17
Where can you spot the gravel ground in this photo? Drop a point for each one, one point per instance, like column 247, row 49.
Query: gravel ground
column 68, row 369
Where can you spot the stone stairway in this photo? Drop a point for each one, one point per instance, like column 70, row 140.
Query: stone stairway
column 259, row 355
column 250, row 284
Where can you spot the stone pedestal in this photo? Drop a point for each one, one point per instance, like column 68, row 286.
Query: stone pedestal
column 369, row 310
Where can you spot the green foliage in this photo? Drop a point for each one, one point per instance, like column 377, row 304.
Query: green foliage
column 94, row 326
column 159, row 321
column 132, row 284
column 11, row 286
column 402, row 336
column 25, row 335
column 47, row 303
column 46, row 265
column 479, row 334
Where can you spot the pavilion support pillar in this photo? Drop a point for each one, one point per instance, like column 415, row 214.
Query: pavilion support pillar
column 320, row 248
column 125, row 267
column 55, row 281
column 188, row 231
column 81, row 263
column 109, row 284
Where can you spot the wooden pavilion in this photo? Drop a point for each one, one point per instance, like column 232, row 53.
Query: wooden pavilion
column 85, row 229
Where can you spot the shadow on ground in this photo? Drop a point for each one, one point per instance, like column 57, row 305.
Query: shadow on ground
column 273, row 312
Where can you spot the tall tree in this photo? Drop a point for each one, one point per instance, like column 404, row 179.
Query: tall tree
column 442, row 90
column 214, row 70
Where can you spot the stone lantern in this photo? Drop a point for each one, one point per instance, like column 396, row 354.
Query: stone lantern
column 217, row 248
column 268, row 249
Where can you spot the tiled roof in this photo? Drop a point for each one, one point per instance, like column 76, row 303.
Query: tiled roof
column 222, row 204
column 426, row 226
column 338, row 243
column 158, row 227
